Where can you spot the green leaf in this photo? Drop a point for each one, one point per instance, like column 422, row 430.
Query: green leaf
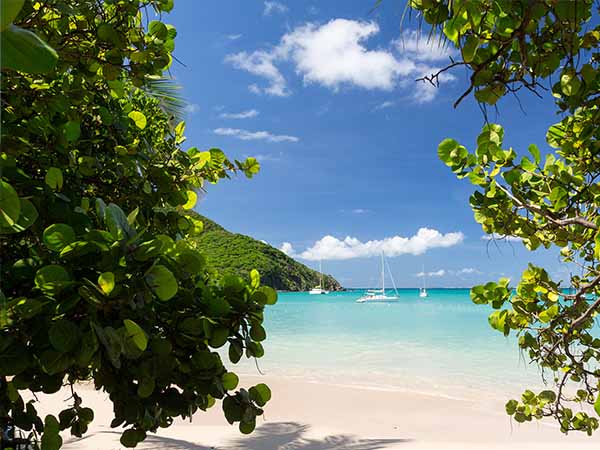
column 106, row 281
column 597, row 405
column 27, row 218
column 445, row 149
column 72, row 130
column 162, row 282
column 51, row 439
column 549, row 314
column 24, row 51
column 136, row 334
column 10, row 205
column 535, row 152
column 192, row 197
column 64, row 335
column 247, row 426
column 260, row 393
column 54, row 178
column 58, row 236
column 258, row 333
column 51, row 279
column 9, row 9
column 138, row 118
column 131, row 438
column 230, row 381
column 569, row 82
column 254, row 279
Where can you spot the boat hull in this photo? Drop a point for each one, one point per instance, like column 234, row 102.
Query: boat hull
column 377, row 299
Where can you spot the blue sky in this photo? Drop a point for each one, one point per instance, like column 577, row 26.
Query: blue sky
column 323, row 94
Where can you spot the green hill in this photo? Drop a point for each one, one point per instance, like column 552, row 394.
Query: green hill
column 237, row 253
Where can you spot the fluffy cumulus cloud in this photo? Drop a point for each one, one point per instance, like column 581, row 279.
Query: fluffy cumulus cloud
column 437, row 273
column 288, row 249
column 240, row 115
column 330, row 247
column 191, row 108
column 337, row 54
column 246, row 135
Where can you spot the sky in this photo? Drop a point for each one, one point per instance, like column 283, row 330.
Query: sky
column 324, row 95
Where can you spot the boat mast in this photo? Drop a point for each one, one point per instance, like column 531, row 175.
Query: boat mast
column 382, row 275
column 321, row 273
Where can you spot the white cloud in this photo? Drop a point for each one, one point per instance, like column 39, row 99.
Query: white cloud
column 384, row 105
column 191, row 108
column 261, row 63
column 443, row 272
column 360, row 211
column 241, row 115
column 330, row 247
column 335, row 54
column 246, row 135
column 234, row 37
column 500, row 237
column 437, row 273
column 274, row 7
column 288, row 249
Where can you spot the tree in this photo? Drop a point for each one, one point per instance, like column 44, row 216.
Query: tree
column 546, row 198
column 97, row 279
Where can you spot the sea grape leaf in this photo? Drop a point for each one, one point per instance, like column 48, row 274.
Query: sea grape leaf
column 136, row 334
column 162, row 282
column 24, row 51
column 57, row 236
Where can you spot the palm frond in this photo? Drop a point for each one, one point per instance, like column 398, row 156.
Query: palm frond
column 168, row 93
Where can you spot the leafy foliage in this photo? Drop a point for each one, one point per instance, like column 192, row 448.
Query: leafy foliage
column 239, row 255
column 98, row 280
column 546, row 198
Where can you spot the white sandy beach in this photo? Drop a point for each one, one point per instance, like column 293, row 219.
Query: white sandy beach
column 311, row 416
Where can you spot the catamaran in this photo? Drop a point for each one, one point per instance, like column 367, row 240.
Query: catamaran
column 379, row 295
column 423, row 291
column 318, row 290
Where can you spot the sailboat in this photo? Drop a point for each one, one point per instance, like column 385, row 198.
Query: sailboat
column 379, row 295
column 318, row 290
column 423, row 291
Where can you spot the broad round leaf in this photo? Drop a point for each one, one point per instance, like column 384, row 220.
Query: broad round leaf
column 230, row 381
column 136, row 334
column 64, row 335
column 54, row 178
column 260, row 393
column 72, row 130
column 22, row 50
column 10, row 206
column 27, row 218
column 106, row 281
column 58, row 236
column 162, row 282
column 138, row 118
column 192, row 197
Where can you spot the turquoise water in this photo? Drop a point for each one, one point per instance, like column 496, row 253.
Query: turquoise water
column 441, row 345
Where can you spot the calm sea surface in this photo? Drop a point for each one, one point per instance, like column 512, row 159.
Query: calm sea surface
column 441, row 345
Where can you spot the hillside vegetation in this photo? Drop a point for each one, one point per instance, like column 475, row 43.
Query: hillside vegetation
column 238, row 254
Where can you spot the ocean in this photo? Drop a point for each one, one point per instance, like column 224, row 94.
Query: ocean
column 440, row 345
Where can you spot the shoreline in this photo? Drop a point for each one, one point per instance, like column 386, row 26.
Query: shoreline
column 305, row 415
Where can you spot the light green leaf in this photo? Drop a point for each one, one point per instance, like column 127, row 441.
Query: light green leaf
column 162, row 282
column 136, row 334
column 230, row 381
column 192, row 197
column 260, row 393
column 254, row 278
column 58, row 236
column 569, row 82
column 106, row 281
column 597, row 405
column 138, row 118
column 22, row 50
column 10, row 206
column 27, row 218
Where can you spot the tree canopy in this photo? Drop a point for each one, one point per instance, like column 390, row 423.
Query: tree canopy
column 98, row 280
column 547, row 197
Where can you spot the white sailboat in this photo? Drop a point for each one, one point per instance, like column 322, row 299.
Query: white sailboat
column 379, row 295
column 423, row 291
column 319, row 290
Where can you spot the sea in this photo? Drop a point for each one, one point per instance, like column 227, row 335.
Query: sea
column 440, row 345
